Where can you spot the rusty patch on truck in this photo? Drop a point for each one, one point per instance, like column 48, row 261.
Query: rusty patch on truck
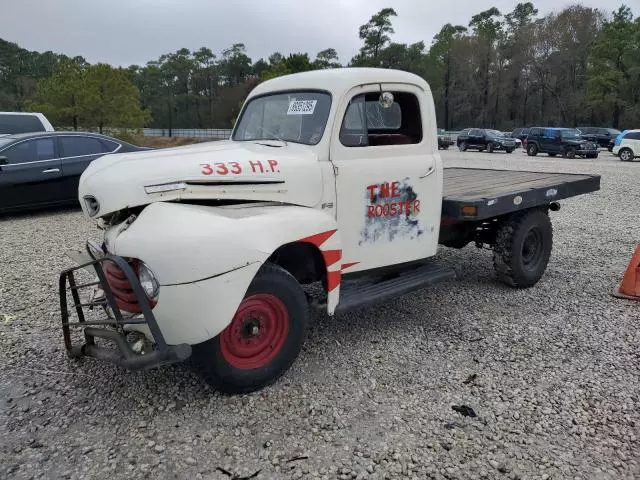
column 391, row 211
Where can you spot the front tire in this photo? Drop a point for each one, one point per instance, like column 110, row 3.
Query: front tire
column 509, row 150
column 463, row 146
column 569, row 152
column 532, row 149
column 263, row 339
column 523, row 248
column 490, row 147
column 552, row 154
column 625, row 154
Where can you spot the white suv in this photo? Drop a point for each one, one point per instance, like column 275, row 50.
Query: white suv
column 627, row 145
column 23, row 122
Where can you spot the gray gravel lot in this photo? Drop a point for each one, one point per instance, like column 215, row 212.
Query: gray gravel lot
column 552, row 372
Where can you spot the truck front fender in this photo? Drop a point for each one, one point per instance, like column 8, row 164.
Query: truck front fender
column 185, row 245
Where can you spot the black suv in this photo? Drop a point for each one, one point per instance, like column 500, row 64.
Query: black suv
column 485, row 139
column 564, row 141
column 602, row 136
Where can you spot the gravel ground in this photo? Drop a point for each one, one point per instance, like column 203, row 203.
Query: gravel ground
column 552, row 372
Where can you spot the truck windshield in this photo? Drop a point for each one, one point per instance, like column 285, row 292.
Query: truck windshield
column 298, row 117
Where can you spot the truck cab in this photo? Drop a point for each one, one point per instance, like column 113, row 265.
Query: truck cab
column 331, row 179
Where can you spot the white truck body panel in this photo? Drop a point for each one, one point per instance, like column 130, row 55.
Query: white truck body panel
column 224, row 170
column 379, row 229
column 220, row 248
column 205, row 256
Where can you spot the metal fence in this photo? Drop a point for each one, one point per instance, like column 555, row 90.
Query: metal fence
column 213, row 133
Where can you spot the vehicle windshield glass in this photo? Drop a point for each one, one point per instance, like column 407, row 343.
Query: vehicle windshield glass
column 298, row 117
column 495, row 133
column 614, row 132
column 569, row 134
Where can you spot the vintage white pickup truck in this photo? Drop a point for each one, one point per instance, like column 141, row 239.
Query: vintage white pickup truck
column 331, row 178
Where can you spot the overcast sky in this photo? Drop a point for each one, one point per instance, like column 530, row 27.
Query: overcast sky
column 124, row 32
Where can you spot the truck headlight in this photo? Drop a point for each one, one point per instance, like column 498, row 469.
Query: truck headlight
column 148, row 281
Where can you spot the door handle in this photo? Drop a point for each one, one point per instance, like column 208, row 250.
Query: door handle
column 51, row 170
column 429, row 172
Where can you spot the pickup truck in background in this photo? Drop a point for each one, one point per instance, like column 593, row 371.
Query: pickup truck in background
column 23, row 122
column 331, row 179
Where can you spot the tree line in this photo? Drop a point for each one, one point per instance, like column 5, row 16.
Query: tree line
column 502, row 70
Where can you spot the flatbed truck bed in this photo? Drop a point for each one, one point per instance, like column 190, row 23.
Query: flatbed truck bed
column 476, row 194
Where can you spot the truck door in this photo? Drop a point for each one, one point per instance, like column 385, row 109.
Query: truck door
column 388, row 176
column 553, row 141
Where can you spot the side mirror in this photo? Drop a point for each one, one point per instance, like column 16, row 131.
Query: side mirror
column 3, row 160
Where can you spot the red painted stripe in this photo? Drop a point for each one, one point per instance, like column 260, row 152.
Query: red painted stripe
column 331, row 256
column 319, row 238
column 333, row 280
column 344, row 266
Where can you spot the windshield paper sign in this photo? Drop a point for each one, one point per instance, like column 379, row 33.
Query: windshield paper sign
column 302, row 107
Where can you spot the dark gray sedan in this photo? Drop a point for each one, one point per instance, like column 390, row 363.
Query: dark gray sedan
column 43, row 168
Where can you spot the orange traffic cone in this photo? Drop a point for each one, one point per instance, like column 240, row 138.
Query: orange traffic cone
column 630, row 285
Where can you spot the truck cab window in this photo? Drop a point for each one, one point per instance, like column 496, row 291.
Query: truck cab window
column 368, row 123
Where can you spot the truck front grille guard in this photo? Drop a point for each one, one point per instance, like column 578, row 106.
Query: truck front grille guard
column 112, row 327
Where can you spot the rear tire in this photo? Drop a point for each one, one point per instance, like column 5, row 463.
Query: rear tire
column 263, row 339
column 523, row 248
column 509, row 150
column 626, row 155
column 463, row 146
column 552, row 154
column 532, row 149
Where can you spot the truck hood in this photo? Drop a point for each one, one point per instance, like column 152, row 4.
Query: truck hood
column 224, row 170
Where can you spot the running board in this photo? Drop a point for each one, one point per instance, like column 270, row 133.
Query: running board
column 377, row 289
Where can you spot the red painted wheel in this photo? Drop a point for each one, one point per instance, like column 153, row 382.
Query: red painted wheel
column 263, row 338
column 256, row 333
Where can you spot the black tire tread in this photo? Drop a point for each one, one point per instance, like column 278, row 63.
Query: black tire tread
column 502, row 249
column 201, row 358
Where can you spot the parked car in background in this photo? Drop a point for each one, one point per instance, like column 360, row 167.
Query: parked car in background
column 559, row 141
column 43, row 168
column 612, row 142
column 444, row 140
column 482, row 139
column 601, row 136
column 515, row 139
column 627, row 145
column 23, row 122
column 520, row 133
